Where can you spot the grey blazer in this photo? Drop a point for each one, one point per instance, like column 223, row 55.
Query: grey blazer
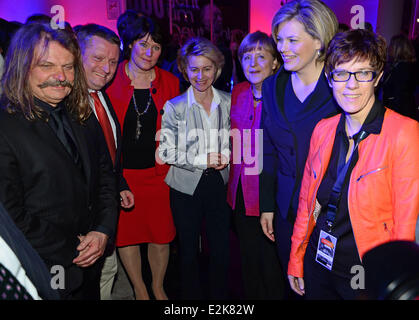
column 182, row 139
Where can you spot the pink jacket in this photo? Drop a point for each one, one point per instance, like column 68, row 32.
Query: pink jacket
column 246, row 138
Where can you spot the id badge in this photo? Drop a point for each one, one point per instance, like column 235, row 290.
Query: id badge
column 326, row 249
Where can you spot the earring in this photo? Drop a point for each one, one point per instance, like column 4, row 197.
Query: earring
column 318, row 52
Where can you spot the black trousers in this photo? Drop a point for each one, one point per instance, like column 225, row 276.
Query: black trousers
column 83, row 283
column 261, row 270
column 189, row 212
column 322, row 284
column 283, row 232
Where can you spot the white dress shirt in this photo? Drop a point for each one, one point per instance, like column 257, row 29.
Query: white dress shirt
column 211, row 130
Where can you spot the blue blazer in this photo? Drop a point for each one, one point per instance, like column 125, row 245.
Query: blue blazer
column 286, row 144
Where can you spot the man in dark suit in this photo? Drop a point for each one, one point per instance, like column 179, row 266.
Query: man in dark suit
column 56, row 178
column 100, row 54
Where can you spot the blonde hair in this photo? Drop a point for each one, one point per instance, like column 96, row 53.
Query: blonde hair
column 318, row 20
column 199, row 46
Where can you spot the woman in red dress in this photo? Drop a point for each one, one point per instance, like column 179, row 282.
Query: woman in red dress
column 138, row 94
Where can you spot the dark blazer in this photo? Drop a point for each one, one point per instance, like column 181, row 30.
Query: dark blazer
column 49, row 198
column 286, row 144
column 117, row 169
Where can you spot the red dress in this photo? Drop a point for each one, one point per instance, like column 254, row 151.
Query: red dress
column 150, row 221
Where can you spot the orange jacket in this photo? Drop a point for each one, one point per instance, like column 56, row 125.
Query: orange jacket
column 383, row 195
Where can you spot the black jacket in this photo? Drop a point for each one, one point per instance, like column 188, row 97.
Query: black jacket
column 49, row 198
column 122, row 183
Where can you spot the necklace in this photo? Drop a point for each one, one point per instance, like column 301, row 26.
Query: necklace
column 139, row 114
column 255, row 98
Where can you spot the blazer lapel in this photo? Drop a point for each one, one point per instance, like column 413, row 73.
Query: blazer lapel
column 321, row 94
column 47, row 133
column 115, row 119
column 81, row 146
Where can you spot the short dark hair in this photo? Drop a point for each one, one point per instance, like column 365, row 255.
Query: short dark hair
column 136, row 28
column 401, row 49
column 7, row 30
column 125, row 20
column 38, row 18
column 258, row 39
column 86, row 32
column 359, row 44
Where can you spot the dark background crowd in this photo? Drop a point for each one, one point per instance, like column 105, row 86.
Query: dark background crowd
column 398, row 89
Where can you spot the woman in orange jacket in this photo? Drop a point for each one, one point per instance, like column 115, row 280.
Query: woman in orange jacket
column 361, row 180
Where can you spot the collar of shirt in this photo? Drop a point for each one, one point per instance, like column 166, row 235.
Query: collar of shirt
column 46, row 106
column 99, row 95
column 92, row 102
column 373, row 123
column 216, row 100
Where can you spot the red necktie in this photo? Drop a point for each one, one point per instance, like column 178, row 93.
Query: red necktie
column 105, row 124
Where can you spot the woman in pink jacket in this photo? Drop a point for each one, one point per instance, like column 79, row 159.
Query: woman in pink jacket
column 260, row 264
column 361, row 180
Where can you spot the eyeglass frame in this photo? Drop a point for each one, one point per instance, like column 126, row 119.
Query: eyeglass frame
column 374, row 74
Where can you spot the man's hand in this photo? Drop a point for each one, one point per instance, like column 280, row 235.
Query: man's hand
column 266, row 221
column 127, row 199
column 91, row 247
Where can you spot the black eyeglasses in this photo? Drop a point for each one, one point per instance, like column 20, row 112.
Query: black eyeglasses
column 361, row 76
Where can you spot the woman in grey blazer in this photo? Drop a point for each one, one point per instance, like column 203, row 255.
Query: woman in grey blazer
column 194, row 140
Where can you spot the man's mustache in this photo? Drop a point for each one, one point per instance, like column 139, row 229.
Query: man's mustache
column 55, row 83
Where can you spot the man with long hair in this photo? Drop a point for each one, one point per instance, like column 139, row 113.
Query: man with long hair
column 56, row 178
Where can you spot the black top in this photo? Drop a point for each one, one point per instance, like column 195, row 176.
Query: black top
column 139, row 154
column 346, row 254
column 59, row 122
column 293, row 112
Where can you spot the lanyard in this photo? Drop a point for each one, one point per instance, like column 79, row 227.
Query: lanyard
column 337, row 187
